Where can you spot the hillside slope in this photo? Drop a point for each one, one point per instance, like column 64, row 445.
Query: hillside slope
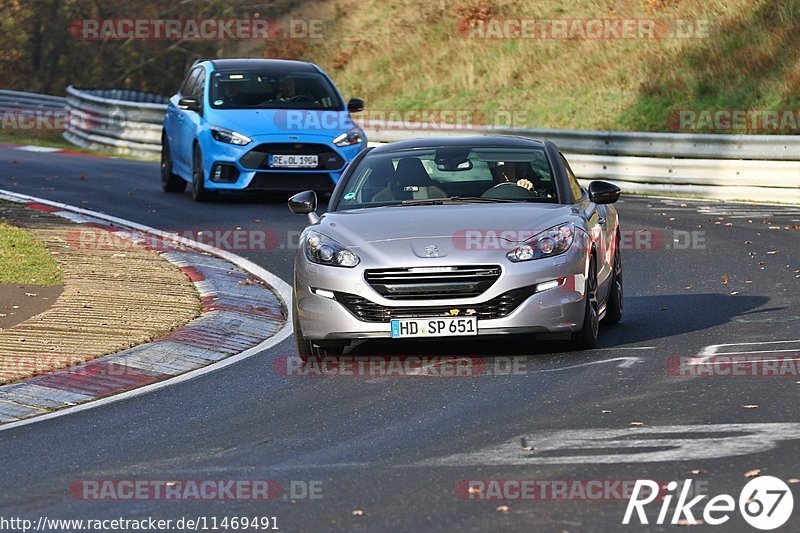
column 404, row 55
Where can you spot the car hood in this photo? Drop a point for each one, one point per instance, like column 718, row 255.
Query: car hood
column 461, row 225
column 252, row 122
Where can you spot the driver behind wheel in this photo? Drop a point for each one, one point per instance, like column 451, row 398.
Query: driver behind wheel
column 512, row 172
column 287, row 90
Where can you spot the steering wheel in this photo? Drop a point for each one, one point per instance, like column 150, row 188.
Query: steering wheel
column 302, row 98
column 508, row 190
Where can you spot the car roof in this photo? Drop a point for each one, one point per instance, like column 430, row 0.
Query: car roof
column 475, row 141
column 274, row 65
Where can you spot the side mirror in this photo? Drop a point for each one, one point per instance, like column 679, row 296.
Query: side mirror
column 355, row 105
column 305, row 203
column 189, row 103
column 602, row 192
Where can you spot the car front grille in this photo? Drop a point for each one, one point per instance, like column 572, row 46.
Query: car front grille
column 497, row 307
column 432, row 283
column 258, row 157
column 291, row 182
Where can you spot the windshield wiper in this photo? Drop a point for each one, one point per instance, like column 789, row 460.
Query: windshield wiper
column 454, row 199
column 429, row 201
column 481, row 199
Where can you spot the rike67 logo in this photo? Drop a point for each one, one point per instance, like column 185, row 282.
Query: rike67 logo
column 765, row 503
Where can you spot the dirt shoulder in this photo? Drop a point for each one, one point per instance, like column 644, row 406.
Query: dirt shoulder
column 115, row 295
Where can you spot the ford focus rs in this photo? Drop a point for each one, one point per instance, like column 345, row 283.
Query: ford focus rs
column 468, row 236
column 257, row 124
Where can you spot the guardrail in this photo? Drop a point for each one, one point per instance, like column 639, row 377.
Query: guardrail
column 760, row 168
column 679, row 145
column 764, row 168
column 123, row 121
column 16, row 100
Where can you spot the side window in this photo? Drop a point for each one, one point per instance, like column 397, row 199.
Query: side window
column 199, row 87
column 187, row 86
column 574, row 186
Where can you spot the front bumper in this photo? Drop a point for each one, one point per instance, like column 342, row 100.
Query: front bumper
column 552, row 311
column 251, row 178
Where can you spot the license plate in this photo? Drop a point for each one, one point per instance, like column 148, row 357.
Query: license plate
column 434, row 327
column 294, row 161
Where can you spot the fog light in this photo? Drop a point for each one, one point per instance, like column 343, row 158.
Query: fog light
column 549, row 285
column 224, row 173
column 324, row 293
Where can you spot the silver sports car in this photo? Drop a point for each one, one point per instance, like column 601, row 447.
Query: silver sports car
column 466, row 236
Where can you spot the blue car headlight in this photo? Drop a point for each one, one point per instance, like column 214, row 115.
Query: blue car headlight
column 548, row 243
column 224, row 135
column 325, row 251
column 349, row 138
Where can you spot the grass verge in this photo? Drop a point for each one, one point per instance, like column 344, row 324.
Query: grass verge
column 24, row 260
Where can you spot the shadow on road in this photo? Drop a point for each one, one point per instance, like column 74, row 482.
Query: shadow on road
column 646, row 318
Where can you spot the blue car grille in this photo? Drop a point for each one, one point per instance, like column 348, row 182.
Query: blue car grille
column 258, row 157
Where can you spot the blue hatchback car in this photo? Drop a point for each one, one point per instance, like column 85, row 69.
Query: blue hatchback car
column 257, row 125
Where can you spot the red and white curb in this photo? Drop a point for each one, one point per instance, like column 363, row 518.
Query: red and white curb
column 50, row 150
column 245, row 311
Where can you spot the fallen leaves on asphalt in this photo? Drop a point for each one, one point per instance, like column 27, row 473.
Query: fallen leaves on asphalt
column 753, row 473
column 698, row 472
column 725, row 279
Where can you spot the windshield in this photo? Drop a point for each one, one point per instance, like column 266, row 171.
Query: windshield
column 450, row 174
column 278, row 90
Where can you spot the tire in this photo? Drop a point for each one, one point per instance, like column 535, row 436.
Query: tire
column 170, row 182
column 306, row 348
column 615, row 295
column 586, row 338
column 199, row 192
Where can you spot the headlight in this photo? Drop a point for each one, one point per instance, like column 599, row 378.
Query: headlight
column 549, row 243
column 231, row 137
column 325, row 251
column 349, row 138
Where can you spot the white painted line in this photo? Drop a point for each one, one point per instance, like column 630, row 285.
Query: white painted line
column 41, row 149
column 281, row 287
column 629, row 445
column 617, row 348
column 712, row 350
column 743, row 361
column 626, row 362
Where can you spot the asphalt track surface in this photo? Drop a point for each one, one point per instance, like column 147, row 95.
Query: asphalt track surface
column 396, row 448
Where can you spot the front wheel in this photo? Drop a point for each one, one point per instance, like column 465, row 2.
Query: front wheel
column 170, row 182
column 586, row 338
column 199, row 192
